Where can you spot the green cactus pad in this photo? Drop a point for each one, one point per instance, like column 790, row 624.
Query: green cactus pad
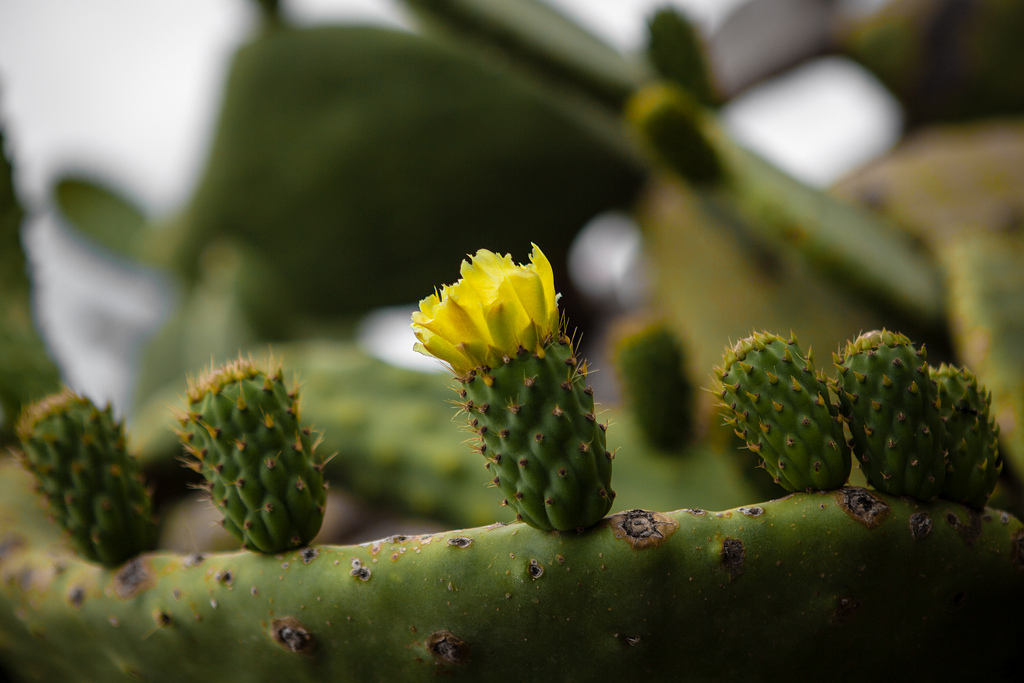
column 853, row 581
column 242, row 427
column 77, row 453
column 971, row 436
column 538, row 430
column 778, row 405
column 891, row 405
column 655, row 388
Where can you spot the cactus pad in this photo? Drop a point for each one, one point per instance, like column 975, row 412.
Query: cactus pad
column 781, row 408
column 242, row 428
column 891, row 405
column 77, row 453
column 536, row 422
column 971, row 436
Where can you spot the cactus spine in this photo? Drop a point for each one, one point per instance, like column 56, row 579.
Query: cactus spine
column 78, row 455
column 776, row 402
column 524, row 389
column 971, row 436
column 891, row 404
column 242, row 428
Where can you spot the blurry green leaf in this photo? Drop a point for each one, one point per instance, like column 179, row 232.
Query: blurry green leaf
column 26, row 370
column 101, row 214
column 534, row 35
column 361, row 163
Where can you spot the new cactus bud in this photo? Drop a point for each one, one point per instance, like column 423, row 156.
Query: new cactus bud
column 677, row 51
column 891, row 405
column 672, row 124
column 78, row 456
column 243, row 430
column 971, row 436
column 655, row 387
column 776, row 402
column 523, row 390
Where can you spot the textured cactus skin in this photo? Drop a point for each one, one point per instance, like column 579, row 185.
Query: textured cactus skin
column 971, row 436
column 78, row 455
column 891, row 405
column 655, row 388
column 260, row 463
column 536, row 420
column 510, row 603
column 781, row 408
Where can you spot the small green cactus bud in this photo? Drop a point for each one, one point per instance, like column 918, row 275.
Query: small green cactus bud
column 655, row 388
column 677, row 52
column 243, row 430
column 671, row 123
column 776, row 402
column 891, row 405
column 524, row 390
column 77, row 453
column 971, row 437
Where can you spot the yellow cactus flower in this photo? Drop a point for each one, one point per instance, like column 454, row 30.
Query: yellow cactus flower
column 496, row 308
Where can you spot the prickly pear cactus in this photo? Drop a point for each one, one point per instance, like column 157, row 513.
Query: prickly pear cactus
column 971, row 436
column 78, row 455
column 776, row 402
column 891, row 405
column 523, row 389
column 242, row 428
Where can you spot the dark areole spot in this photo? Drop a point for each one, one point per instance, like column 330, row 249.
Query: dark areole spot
column 860, row 504
column 447, row 648
column 733, row 555
column 920, row 525
column 290, row 634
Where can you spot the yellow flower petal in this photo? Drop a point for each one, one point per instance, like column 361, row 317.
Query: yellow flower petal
column 494, row 309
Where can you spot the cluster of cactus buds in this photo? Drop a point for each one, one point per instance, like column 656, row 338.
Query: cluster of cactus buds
column 916, row 430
